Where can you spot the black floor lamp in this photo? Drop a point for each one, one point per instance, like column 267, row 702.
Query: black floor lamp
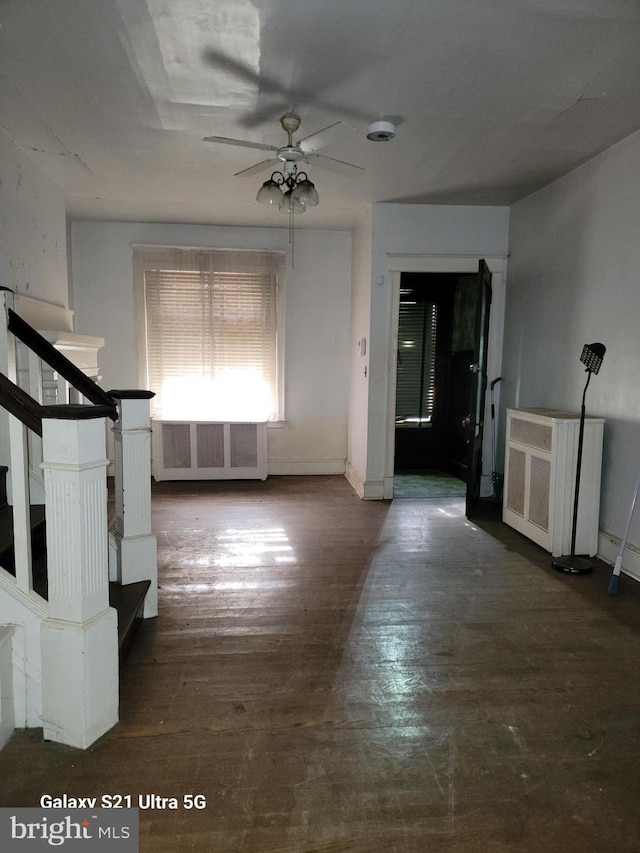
column 592, row 355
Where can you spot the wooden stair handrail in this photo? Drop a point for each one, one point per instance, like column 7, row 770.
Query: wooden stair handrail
column 22, row 405
column 60, row 363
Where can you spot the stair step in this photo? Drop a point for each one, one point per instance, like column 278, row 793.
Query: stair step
column 128, row 601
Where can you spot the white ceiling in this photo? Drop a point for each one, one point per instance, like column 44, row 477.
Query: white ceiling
column 493, row 98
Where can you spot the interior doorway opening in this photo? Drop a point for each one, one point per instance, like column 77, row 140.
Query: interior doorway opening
column 436, row 346
column 489, row 273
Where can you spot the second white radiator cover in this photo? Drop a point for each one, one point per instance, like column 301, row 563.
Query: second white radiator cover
column 539, row 478
column 209, row 450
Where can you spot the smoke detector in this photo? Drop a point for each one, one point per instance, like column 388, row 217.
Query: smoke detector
column 381, row 131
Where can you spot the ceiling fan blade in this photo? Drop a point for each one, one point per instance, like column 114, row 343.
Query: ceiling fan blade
column 257, row 168
column 271, row 86
column 339, row 166
column 224, row 62
column 243, row 143
column 332, row 133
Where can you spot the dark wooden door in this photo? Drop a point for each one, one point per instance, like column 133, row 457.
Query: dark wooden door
column 474, row 420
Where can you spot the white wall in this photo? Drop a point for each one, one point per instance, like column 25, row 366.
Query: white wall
column 413, row 230
column 33, row 234
column 314, row 437
column 359, row 357
column 574, row 278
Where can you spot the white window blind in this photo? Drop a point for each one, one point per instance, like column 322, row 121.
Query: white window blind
column 212, row 332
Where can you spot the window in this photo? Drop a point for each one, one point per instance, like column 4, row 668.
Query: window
column 415, row 385
column 211, row 323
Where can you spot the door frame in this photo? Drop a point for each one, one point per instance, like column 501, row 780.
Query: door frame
column 439, row 263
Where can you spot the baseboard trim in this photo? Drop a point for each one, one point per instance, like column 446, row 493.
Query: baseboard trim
column 368, row 490
column 608, row 548
column 355, row 480
column 374, row 490
column 301, row 467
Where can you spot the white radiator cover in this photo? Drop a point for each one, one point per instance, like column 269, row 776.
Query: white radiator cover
column 539, row 478
column 205, row 450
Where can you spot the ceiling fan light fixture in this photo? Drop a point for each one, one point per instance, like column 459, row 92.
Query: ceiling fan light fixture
column 381, row 131
column 288, row 189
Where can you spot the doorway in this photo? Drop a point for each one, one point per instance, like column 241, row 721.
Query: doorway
column 423, row 380
column 440, row 382
column 495, row 266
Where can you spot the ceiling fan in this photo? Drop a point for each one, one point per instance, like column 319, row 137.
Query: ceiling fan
column 287, row 157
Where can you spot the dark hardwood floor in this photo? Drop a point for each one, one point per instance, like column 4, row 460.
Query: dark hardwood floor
column 339, row 675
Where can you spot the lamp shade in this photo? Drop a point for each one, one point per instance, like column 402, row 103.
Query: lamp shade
column 592, row 355
column 306, row 193
column 269, row 193
column 290, row 204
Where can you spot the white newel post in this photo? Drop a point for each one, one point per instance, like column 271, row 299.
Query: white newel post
column 135, row 545
column 80, row 637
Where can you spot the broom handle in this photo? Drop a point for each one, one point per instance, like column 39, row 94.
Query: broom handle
column 623, row 544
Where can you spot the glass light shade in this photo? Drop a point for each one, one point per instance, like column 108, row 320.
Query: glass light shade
column 290, row 204
column 269, row 193
column 306, row 193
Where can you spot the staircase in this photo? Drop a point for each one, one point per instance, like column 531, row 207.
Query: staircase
column 73, row 586
column 126, row 599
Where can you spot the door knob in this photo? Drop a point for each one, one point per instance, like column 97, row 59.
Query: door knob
column 466, row 422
